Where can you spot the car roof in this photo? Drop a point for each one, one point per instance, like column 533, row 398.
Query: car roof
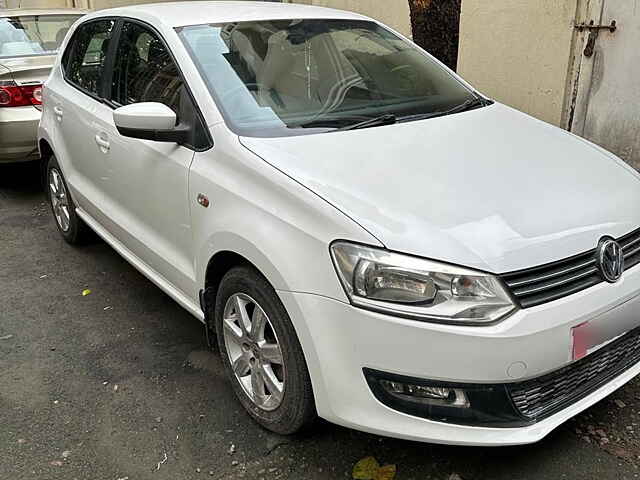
column 28, row 12
column 177, row 14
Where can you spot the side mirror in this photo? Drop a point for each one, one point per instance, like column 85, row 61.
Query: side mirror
column 149, row 121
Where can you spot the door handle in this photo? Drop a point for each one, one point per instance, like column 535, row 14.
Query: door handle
column 57, row 111
column 102, row 143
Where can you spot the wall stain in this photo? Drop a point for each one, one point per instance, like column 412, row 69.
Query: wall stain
column 598, row 71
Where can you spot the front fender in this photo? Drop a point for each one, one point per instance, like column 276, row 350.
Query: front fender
column 276, row 223
column 231, row 242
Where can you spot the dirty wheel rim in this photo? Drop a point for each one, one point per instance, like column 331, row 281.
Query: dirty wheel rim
column 254, row 351
column 59, row 200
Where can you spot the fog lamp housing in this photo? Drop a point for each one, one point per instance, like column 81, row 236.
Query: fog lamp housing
column 429, row 395
column 446, row 402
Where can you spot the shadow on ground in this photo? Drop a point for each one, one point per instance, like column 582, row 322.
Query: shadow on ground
column 20, row 178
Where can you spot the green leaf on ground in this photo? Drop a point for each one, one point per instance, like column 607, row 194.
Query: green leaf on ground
column 369, row 469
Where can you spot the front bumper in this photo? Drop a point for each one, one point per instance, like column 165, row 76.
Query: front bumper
column 18, row 134
column 340, row 341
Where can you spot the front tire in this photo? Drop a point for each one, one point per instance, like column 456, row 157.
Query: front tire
column 69, row 224
column 261, row 353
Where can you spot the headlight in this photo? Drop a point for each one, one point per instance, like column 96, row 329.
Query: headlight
column 413, row 287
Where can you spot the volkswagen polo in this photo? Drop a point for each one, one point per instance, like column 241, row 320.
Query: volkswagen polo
column 366, row 237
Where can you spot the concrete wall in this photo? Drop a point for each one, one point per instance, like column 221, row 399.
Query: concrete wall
column 36, row 3
column 100, row 4
column 394, row 13
column 88, row 4
column 519, row 52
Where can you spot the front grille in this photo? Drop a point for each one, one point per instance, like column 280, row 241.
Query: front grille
column 545, row 395
column 546, row 283
column 631, row 247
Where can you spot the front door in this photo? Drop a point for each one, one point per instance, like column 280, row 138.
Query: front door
column 147, row 200
column 605, row 98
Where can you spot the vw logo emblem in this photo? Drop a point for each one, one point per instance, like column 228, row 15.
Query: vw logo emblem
column 610, row 259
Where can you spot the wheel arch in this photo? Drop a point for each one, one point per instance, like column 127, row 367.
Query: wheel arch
column 45, row 148
column 232, row 250
column 45, row 153
column 219, row 264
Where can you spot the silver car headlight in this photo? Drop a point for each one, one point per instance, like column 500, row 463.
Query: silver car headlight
column 412, row 287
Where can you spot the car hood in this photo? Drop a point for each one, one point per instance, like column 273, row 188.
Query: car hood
column 492, row 188
column 28, row 69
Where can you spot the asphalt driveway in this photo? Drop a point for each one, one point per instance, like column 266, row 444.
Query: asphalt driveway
column 118, row 384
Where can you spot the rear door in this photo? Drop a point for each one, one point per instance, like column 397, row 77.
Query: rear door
column 77, row 102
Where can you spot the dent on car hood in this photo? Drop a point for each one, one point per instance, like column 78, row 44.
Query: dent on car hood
column 492, row 189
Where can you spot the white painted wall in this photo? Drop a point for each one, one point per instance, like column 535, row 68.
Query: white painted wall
column 394, row 13
column 36, row 3
column 519, row 52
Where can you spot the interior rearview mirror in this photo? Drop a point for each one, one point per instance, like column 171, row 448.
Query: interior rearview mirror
column 149, row 121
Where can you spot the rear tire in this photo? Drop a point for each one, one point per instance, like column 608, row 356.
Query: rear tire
column 69, row 224
column 263, row 359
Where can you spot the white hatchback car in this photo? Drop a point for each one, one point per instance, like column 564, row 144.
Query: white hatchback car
column 370, row 239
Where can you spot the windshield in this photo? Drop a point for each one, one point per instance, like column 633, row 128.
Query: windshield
column 293, row 77
column 33, row 35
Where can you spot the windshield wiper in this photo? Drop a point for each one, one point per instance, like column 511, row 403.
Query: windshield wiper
column 347, row 122
column 331, row 122
column 388, row 119
column 342, row 124
column 470, row 104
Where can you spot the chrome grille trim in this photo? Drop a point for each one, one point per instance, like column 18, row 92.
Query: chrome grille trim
column 545, row 283
column 528, row 291
column 630, row 244
column 551, row 275
column 631, row 253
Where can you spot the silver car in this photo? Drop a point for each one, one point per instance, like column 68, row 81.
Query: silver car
column 29, row 41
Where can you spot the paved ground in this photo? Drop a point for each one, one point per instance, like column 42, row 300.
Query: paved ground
column 119, row 385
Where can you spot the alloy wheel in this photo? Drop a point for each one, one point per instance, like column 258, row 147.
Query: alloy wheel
column 59, row 200
column 254, row 352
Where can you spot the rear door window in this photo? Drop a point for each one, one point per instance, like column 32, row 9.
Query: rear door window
column 87, row 53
